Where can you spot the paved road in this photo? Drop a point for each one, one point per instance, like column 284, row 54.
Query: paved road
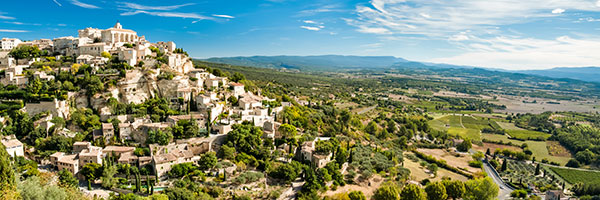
column 505, row 190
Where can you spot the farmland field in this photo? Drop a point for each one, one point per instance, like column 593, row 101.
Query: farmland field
column 527, row 134
column 539, row 149
column 472, row 134
column 508, row 126
column 575, row 176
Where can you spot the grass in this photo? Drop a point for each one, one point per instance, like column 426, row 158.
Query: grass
column 475, row 122
column 528, row 135
column 575, row 176
column 472, row 134
column 508, row 126
column 539, row 148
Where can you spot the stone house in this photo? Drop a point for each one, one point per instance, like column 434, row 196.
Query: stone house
column 13, row 146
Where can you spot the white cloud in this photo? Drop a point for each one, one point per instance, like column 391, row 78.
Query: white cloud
column 589, row 19
column 459, row 37
column 598, row 3
column 309, row 22
column 84, row 5
column 12, row 31
column 558, row 11
column 375, row 30
column 527, row 53
column 311, row 28
column 445, row 18
column 169, row 14
column 62, row 25
column 3, row 16
column 16, row 23
column 144, row 7
column 55, row 1
column 224, row 16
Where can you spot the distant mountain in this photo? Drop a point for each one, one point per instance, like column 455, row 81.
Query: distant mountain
column 591, row 74
column 318, row 63
column 338, row 62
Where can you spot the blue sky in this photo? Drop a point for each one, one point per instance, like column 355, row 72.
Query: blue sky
column 509, row 34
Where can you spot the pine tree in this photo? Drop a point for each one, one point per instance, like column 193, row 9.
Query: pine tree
column 537, row 169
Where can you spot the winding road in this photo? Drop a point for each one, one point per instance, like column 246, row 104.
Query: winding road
column 505, row 189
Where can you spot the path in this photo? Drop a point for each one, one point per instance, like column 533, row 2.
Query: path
column 366, row 110
column 460, row 118
column 505, row 189
column 291, row 192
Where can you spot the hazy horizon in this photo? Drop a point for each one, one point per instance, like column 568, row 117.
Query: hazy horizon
column 504, row 34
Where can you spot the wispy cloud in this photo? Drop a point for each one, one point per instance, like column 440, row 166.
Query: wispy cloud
column 16, row 23
column 311, row 28
column 169, row 14
column 312, row 25
column 527, row 53
column 589, row 19
column 321, row 9
column 224, row 16
column 144, row 7
column 4, row 16
column 55, row 1
column 445, row 18
column 84, row 5
column 12, row 31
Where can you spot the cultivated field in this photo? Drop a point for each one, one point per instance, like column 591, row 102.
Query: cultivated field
column 461, row 162
column 575, row 176
column 418, row 173
column 539, row 149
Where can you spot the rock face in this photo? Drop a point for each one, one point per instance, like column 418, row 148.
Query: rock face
column 137, row 86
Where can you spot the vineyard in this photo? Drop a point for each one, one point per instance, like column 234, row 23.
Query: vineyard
column 528, row 135
column 574, row 176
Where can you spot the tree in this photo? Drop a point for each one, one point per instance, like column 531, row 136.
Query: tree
column 226, row 152
column 504, row 165
column 7, row 174
column 341, row 155
column 481, row 189
column 464, row 146
column 585, row 157
column 287, row 130
column 573, row 163
column 106, row 55
column 537, row 169
column 108, row 177
column 357, row 195
column 66, row 179
column 91, row 172
column 412, row 192
column 160, row 137
column 24, row 51
column 207, row 160
column 518, row 194
column 372, row 128
column 436, row 191
column 32, row 189
column 236, row 77
column 454, row 189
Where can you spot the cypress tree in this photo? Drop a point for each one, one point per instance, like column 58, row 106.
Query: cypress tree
column 504, row 165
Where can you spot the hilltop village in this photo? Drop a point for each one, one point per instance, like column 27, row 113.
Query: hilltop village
column 109, row 98
column 111, row 115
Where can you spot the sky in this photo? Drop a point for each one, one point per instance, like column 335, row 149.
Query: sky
column 507, row 34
